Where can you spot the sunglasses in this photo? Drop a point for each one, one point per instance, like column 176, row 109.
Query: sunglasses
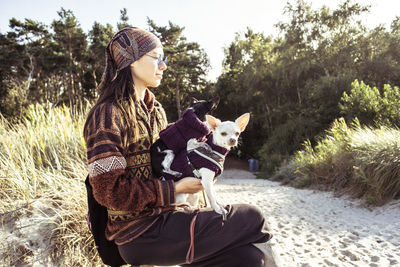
column 159, row 59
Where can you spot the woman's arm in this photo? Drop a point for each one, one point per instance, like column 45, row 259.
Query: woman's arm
column 107, row 175
column 117, row 192
column 188, row 185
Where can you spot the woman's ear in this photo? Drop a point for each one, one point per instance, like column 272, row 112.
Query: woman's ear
column 242, row 121
column 212, row 122
column 132, row 67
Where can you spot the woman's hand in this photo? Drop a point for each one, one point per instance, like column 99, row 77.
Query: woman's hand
column 188, row 185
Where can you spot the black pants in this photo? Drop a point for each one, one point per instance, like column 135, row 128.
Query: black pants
column 215, row 244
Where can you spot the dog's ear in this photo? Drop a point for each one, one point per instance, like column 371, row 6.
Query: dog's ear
column 242, row 121
column 214, row 102
column 193, row 100
column 212, row 121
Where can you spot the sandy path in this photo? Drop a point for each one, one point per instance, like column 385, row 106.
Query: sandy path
column 313, row 228
column 310, row 228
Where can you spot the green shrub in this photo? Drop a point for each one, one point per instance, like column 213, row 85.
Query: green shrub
column 360, row 161
column 285, row 139
column 371, row 106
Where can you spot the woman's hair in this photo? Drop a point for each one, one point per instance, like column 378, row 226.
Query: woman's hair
column 121, row 93
column 116, row 86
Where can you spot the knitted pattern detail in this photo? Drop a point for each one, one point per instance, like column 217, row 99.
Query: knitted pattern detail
column 105, row 165
column 121, row 175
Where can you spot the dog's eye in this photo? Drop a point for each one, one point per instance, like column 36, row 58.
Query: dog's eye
column 223, row 133
column 237, row 133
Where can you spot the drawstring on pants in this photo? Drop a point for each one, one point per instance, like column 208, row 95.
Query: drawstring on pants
column 190, row 253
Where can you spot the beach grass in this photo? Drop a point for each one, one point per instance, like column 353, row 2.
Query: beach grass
column 42, row 191
column 43, row 202
column 360, row 161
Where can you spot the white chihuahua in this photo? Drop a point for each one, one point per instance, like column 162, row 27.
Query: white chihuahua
column 224, row 136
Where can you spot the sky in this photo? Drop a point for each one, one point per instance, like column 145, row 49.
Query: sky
column 211, row 23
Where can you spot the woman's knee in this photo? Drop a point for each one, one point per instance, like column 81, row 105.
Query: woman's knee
column 248, row 255
column 251, row 214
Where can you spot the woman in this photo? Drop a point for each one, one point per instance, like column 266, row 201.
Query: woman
column 142, row 218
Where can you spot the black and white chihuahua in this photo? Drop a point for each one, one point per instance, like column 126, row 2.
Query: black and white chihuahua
column 224, row 136
column 190, row 125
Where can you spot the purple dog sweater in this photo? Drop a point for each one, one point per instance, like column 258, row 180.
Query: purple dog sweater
column 180, row 163
column 187, row 127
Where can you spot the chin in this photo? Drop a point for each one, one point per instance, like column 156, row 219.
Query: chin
column 154, row 84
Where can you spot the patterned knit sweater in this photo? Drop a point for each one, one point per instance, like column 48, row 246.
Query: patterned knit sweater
column 121, row 177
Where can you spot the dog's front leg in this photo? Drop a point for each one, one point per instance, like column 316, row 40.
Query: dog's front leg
column 193, row 200
column 166, row 164
column 181, row 198
column 207, row 180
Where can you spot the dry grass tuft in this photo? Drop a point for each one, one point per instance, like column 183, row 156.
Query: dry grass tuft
column 359, row 161
column 42, row 194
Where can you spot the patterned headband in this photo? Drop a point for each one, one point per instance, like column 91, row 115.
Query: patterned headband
column 126, row 46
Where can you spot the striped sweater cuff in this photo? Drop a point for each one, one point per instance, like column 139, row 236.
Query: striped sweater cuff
column 167, row 190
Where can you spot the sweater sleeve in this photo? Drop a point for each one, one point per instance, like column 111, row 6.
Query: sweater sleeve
column 112, row 188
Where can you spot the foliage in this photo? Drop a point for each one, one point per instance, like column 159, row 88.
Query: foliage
column 295, row 84
column 292, row 84
column 70, row 42
column 358, row 160
column 62, row 64
column 371, row 106
column 123, row 19
column 187, row 66
column 46, row 74
column 289, row 135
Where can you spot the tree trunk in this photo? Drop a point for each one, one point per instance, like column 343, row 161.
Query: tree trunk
column 71, row 90
column 43, row 96
column 268, row 117
column 298, row 92
column 177, row 98
column 79, row 89
column 30, row 74
column 95, row 78
column 326, row 72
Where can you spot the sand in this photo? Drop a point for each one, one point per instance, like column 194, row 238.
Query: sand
column 310, row 228
column 30, row 232
column 313, row 228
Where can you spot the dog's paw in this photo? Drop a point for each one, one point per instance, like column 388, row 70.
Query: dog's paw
column 220, row 210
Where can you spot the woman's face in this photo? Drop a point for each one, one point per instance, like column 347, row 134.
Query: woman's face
column 147, row 71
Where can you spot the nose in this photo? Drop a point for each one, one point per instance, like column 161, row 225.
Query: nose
column 162, row 65
column 232, row 141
